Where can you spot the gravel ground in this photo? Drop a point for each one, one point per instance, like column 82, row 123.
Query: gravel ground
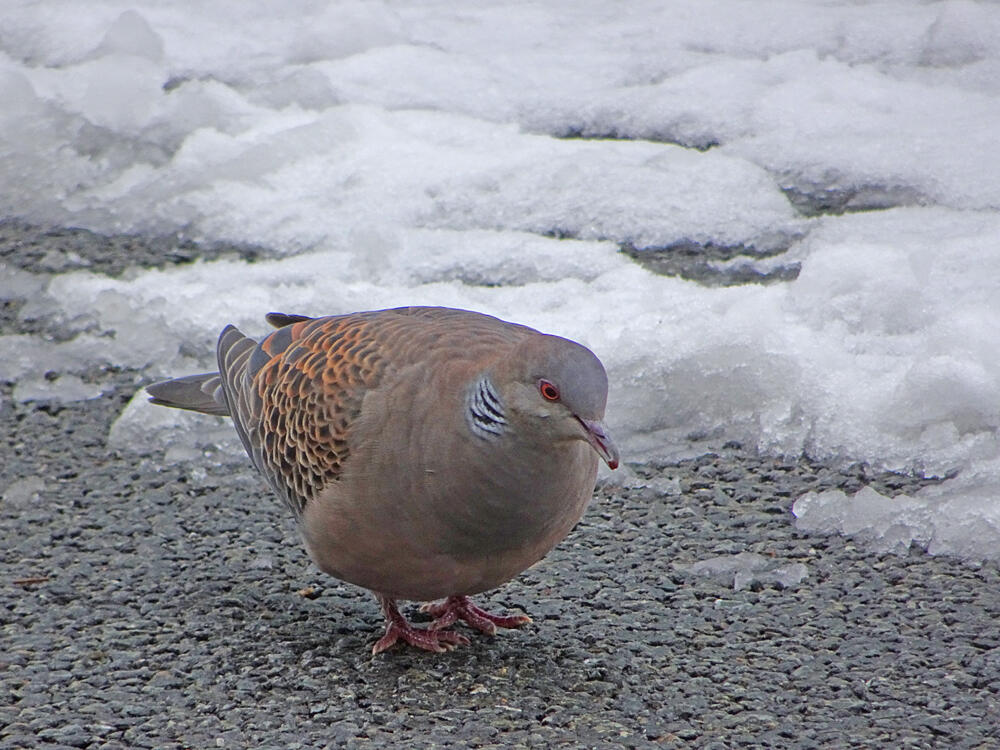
column 152, row 605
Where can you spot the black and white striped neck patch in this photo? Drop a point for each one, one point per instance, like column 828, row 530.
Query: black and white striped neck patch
column 485, row 414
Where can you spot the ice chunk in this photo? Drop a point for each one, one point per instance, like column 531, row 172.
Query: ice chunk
column 16, row 284
column 61, row 388
column 21, row 354
column 23, row 492
column 624, row 477
column 960, row 516
column 887, row 524
column 785, row 576
column 176, row 453
column 746, row 568
column 143, row 426
column 261, row 562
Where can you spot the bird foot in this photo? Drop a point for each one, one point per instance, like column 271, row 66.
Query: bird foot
column 438, row 641
column 397, row 628
column 456, row 608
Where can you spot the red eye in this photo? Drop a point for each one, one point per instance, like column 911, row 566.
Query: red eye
column 549, row 391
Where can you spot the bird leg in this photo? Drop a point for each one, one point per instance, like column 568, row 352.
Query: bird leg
column 397, row 628
column 456, row 608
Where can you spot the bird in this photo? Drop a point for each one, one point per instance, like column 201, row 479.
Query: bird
column 427, row 454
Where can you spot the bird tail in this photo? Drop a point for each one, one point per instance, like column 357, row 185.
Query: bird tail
column 195, row 393
column 205, row 393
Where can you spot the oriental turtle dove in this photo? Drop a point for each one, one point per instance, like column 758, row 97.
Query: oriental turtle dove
column 426, row 453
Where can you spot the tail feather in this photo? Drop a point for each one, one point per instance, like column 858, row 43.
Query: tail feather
column 207, row 393
column 201, row 393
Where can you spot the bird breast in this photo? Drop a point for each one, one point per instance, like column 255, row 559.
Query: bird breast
column 438, row 510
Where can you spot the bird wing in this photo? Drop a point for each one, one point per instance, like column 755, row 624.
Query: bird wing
column 295, row 395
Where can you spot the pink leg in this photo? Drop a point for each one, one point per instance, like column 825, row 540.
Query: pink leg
column 456, row 608
column 397, row 628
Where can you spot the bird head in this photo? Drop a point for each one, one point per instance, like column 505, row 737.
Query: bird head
column 557, row 390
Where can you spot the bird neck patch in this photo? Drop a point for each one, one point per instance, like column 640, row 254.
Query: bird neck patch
column 485, row 413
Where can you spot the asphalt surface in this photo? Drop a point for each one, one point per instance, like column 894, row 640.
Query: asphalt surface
column 146, row 604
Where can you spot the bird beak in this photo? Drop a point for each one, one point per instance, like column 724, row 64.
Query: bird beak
column 597, row 435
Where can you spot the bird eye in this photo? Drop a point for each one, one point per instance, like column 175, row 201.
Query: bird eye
column 549, row 391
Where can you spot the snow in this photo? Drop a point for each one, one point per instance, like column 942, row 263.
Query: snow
column 497, row 157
